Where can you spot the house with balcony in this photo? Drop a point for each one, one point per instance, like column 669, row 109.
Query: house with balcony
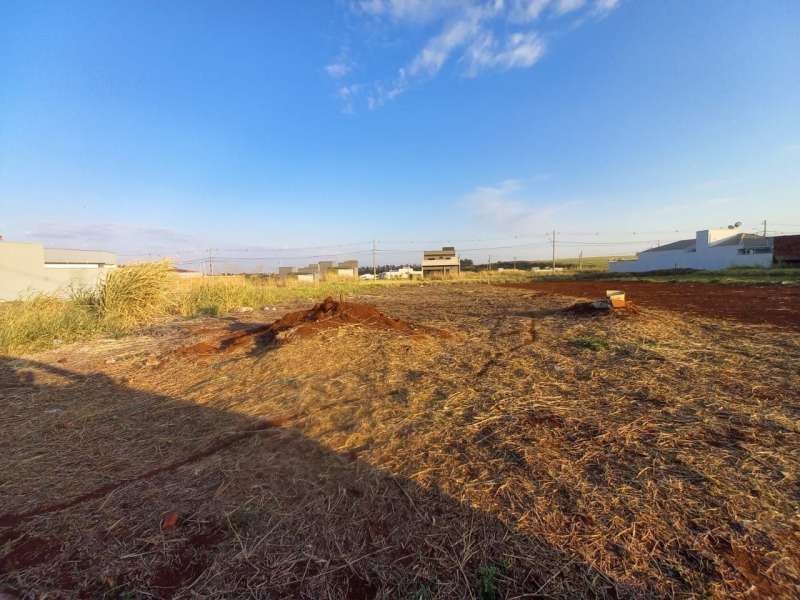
column 440, row 263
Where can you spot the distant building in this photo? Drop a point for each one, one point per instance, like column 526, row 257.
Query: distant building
column 440, row 263
column 402, row 273
column 710, row 249
column 321, row 271
column 27, row 268
column 309, row 274
column 786, row 249
column 347, row 269
column 325, row 268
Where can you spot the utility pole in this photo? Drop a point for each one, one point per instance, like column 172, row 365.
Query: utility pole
column 554, row 250
column 374, row 272
column 765, row 227
column 490, row 262
column 210, row 262
column 580, row 260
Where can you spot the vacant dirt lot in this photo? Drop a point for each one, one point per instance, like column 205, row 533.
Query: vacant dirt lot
column 766, row 304
column 487, row 445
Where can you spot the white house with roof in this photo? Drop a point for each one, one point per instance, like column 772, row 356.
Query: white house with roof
column 710, row 249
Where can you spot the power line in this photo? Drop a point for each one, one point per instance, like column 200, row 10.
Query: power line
column 292, row 248
column 282, row 257
column 372, row 248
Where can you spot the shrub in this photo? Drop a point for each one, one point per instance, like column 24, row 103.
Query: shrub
column 41, row 321
column 590, row 343
column 134, row 295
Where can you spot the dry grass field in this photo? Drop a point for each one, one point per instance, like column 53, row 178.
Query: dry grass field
column 491, row 446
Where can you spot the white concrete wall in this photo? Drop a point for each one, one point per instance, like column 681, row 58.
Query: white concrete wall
column 708, row 237
column 710, row 258
column 23, row 272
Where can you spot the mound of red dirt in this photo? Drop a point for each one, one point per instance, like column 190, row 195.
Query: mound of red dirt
column 328, row 314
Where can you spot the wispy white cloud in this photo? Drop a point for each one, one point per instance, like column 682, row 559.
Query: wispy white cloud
column 563, row 7
column 338, row 69
column 501, row 206
column 605, row 6
column 407, row 10
column 347, row 94
column 520, row 50
column 429, row 61
column 525, row 11
column 340, row 66
column 479, row 35
column 431, row 58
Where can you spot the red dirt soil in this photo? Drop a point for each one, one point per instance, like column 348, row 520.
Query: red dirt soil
column 328, row 314
column 760, row 304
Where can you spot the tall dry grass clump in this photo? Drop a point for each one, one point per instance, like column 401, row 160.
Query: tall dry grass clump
column 134, row 295
column 219, row 295
column 129, row 297
column 41, row 321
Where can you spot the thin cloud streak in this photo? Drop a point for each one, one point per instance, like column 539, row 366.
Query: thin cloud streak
column 337, row 69
column 115, row 237
column 479, row 36
column 500, row 206
column 521, row 50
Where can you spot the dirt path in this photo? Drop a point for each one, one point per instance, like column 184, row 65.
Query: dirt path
column 761, row 304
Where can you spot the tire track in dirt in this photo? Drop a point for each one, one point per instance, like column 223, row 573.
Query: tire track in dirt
column 495, row 358
column 13, row 519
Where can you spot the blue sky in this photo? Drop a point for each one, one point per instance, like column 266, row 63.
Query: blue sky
column 315, row 127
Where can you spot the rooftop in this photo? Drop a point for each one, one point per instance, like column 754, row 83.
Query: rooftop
column 679, row 245
column 746, row 240
column 445, row 251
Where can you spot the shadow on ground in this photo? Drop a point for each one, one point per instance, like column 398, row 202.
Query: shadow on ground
column 90, row 470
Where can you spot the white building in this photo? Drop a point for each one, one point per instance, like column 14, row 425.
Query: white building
column 711, row 249
column 321, row 271
column 27, row 269
column 402, row 273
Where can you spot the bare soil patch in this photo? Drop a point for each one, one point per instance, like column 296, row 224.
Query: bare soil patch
column 328, row 314
column 762, row 304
